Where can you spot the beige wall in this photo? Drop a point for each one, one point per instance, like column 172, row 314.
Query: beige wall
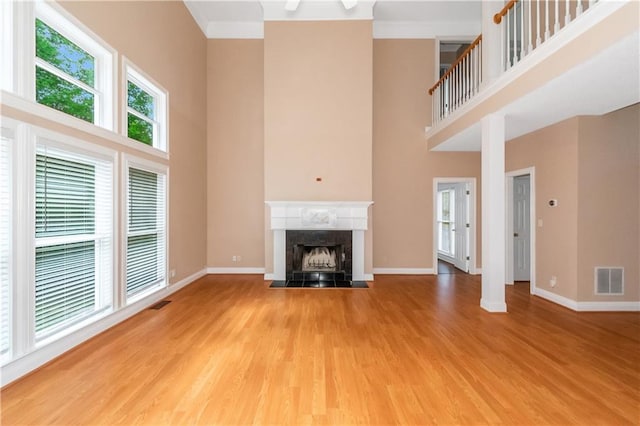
column 235, row 161
column 608, row 200
column 403, row 168
column 591, row 166
column 317, row 110
column 317, row 115
column 553, row 151
column 162, row 39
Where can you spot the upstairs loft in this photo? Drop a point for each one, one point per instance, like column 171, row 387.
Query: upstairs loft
column 538, row 62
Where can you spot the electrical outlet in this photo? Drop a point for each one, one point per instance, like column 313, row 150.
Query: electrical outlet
column 553, row 281
column 234, row 258
column 239, row 258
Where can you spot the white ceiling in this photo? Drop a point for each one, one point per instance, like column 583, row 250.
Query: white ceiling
column 392, row 18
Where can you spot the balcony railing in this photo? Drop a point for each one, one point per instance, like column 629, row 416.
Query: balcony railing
column 524, row 25
column 459, row 83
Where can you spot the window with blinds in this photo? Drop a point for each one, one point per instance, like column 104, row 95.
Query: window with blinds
column 73, row 233
column 146, row 260
column 5, row 245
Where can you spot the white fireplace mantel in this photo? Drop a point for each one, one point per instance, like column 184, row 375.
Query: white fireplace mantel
column 318, row 215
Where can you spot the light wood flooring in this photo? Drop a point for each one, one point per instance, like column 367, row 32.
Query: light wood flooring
column 409, row 350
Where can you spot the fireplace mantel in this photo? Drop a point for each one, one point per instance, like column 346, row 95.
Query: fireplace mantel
column 301, row 215
column 320, row 215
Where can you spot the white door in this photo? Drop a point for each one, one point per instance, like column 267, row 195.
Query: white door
column 461, row 227
column 521, row 228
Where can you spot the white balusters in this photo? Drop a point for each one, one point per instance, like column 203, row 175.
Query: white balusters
column 547, row 33
column 567, row 14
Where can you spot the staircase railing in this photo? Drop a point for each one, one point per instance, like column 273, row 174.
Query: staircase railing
column 459, row 83
column 526, row 24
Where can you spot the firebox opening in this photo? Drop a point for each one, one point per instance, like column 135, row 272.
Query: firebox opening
column 322, row 258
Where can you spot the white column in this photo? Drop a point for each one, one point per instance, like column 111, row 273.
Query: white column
column 491, row 42
column 493, row 214
column 357, row 255
column 279, row 255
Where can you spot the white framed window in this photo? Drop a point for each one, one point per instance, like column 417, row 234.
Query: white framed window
column 145, row 117
column 446, row 221
column 6, row 244
column 57, row 62
column 145, row 265
column 73, row 236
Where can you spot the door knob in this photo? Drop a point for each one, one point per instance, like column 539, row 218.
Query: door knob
column 515, row 234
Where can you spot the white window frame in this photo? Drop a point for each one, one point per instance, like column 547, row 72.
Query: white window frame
column 161, row 105
column 8, row 131
column 35, row 139
column 130, row 161
column 19, row 38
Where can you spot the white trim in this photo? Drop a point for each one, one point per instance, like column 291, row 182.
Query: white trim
column 249, row 270
column 608, row 306
column 368, row 277
column 533, row 220
column 21, row 366
column 477, row 271
column 234, row 30
column 493, row 307
column 403, row 271
column 425, row 30
column 633, row 306
column 41, row 111
column 269, row 277
column 473, row 206
column 556, row 298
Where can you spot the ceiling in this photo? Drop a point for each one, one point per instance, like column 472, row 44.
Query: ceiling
column 447, row 19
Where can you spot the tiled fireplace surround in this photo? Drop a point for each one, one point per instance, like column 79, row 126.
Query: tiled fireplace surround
column 322, row 215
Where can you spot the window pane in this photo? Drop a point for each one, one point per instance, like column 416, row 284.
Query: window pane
column 65, row 283
column 57, row 50
column 65, row 197
column 140, row 100
column 64, row 96
column 142, row 262
column 143, row 200
column 139, row 129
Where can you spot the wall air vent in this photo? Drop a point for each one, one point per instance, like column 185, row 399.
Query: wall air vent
column 609, row 280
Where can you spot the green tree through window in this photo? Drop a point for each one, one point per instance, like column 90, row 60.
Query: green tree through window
column 140, row 125
column 64, row 92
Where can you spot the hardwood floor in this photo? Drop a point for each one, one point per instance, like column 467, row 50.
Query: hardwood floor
column 409, row 350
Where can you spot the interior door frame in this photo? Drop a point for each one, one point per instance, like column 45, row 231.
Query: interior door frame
column 531, row 171
column 471, row 241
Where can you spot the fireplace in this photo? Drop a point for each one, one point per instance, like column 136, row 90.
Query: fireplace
column 318, row 255
column 320, row 232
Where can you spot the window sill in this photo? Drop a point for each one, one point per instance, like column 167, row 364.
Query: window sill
column 41, row 111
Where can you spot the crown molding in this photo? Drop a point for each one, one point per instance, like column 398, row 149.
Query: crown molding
column 422, row 30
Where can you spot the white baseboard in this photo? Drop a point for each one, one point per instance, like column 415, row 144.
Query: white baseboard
column 609, row 306
column 249, row 270
column 403, row 271
column 29, row 362
column 476, row 271
column 368, row 277
column 556, row 298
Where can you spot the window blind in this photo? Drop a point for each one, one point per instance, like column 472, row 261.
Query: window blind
column 146, row 230
column 5, row 245
column 72, row 229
